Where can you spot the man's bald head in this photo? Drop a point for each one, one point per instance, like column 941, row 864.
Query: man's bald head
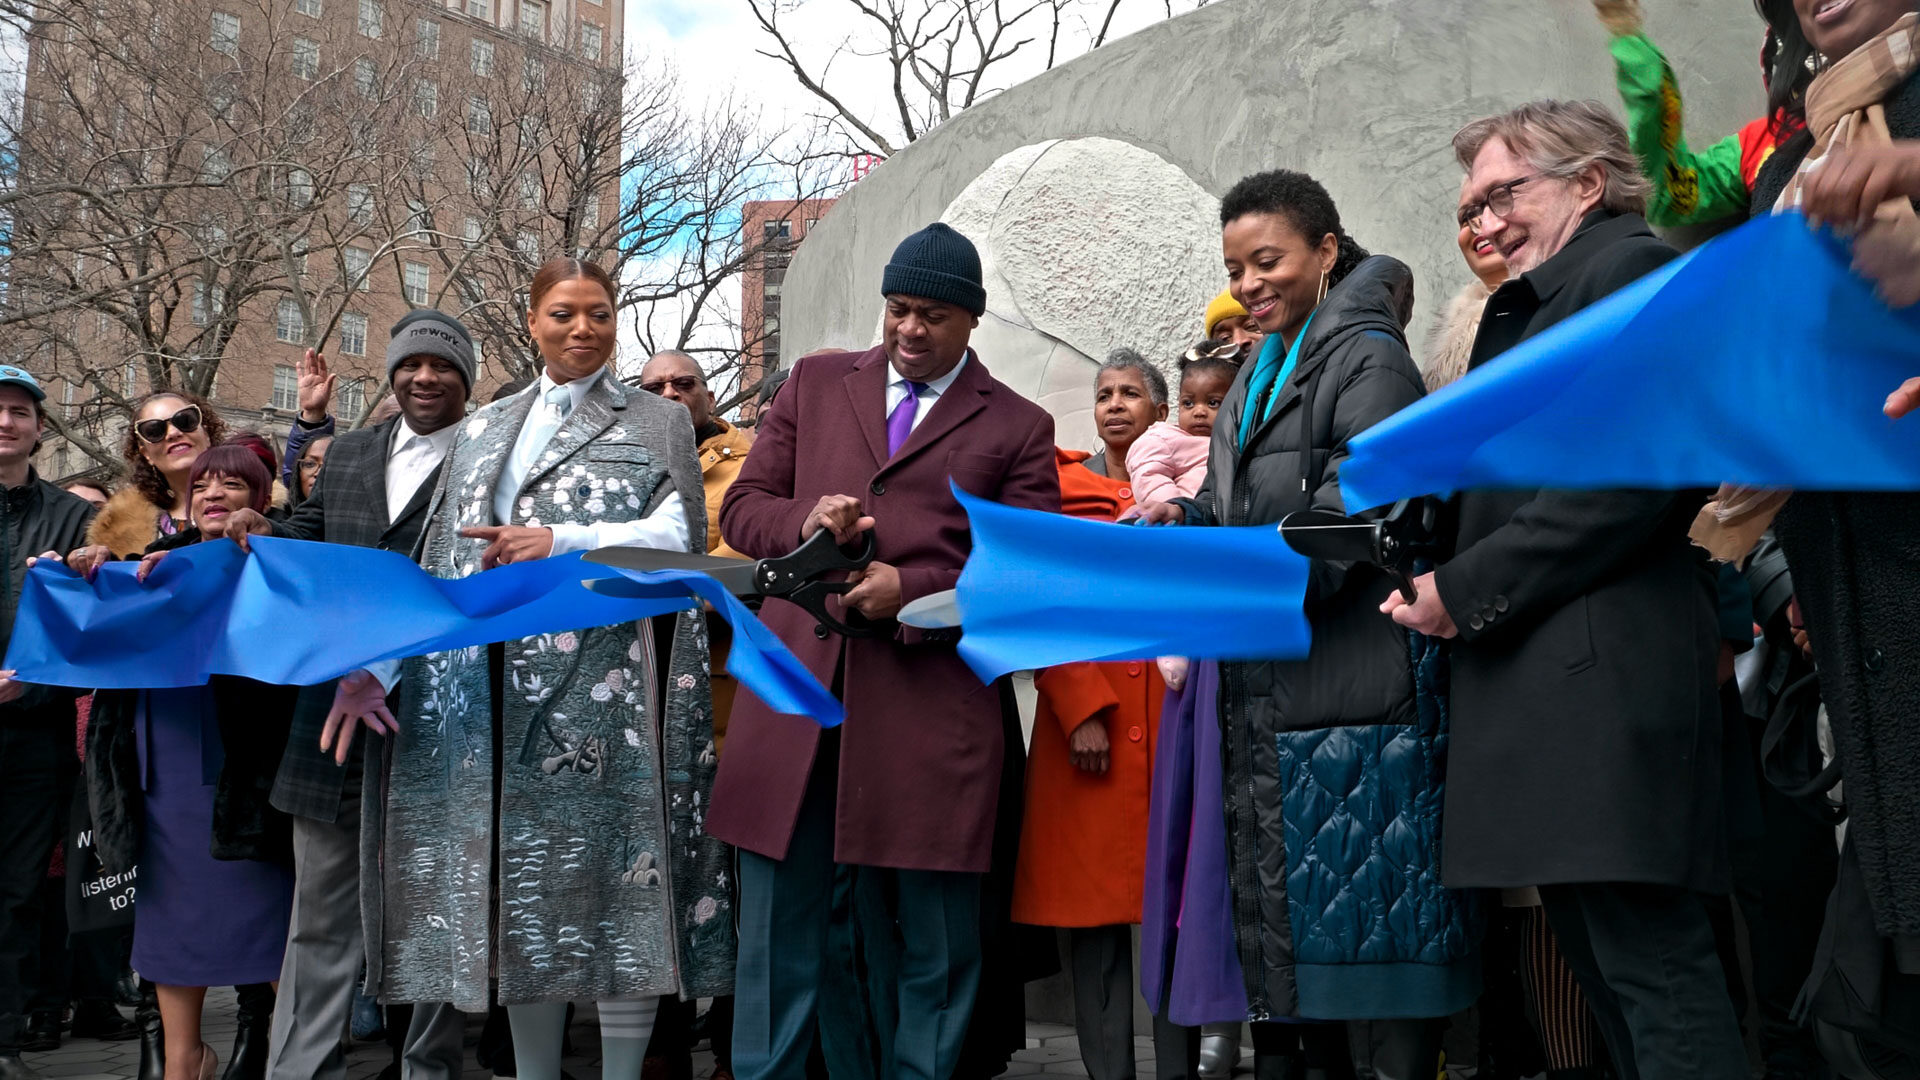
column 676, row 376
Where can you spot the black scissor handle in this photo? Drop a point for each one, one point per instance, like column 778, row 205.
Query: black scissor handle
column 796, row 578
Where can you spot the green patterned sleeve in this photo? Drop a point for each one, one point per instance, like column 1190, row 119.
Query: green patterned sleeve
column 1688, row 188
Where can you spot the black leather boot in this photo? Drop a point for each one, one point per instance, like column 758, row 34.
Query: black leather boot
column 254, row 1021
column 153, row 1043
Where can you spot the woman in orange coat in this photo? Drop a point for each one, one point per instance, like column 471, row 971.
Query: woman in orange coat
column 1083, row 843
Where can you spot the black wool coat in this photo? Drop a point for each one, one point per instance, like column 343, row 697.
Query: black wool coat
column 1586, row 722
column 253, row 732
column 1856, row 570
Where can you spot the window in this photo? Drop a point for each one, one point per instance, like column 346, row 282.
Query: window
column 206, row 302
column 530, row 193
column 225, row 36
column 426, row 39
column 480, row 57
column 472, row 231
column 286, row 385
column 66, row 402
column 309, row 8
column 359, row 264
column 590, row 37
column 419, row 218
column 533, row 18
column 372, row 15
column 477, row 176
column 129, row 378
column 533, row 72
column 529, row 129
column 779, row 230
column 353, row 334
column 480, row 9
column 366, row 77
column 590, row 215
column 299, row 187
column 528, row 245
column 353, row 394
column 215, row 167
column 360, row 203
column 413, row 282
column 290, row 326
column 772, row 290
column 424, row 158
column 306, row 58
column 426, row 98
column 479, row 116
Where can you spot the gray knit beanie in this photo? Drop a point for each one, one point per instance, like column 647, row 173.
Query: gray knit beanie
column 426, row 332
column 937, row 263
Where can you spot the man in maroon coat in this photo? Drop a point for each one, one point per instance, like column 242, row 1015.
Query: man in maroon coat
column 907, row 787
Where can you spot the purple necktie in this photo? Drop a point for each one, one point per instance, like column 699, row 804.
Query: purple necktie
column 900, row 424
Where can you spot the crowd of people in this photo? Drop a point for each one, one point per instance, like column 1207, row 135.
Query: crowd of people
column 1532, row 799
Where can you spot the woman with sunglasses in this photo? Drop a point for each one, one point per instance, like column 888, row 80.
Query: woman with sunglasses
column 169, row 432
column 178, row 781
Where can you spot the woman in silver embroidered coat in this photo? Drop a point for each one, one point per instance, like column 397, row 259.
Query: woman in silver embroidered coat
column 553, row 837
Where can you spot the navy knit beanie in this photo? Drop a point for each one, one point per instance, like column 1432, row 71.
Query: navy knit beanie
column 937, row 263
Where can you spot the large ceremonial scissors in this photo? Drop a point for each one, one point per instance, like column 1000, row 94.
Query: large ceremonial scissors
column 800, row 577
column 1396, row 543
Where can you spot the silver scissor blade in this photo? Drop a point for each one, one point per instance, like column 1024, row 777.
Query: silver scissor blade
column 735, row 575
column 934, row 611
column 1319, row 534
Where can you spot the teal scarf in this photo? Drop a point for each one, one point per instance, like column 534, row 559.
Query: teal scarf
column 1270, row 373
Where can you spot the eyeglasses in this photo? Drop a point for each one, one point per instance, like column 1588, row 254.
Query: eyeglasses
column 685, row 384
column 186, row 422
column 1499, row 200
column 1232, row 352
column 307, row 464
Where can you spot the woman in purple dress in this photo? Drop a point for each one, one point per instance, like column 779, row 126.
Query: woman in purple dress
column 178, row 782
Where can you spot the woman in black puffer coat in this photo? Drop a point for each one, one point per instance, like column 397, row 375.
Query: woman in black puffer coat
column 1333, row 766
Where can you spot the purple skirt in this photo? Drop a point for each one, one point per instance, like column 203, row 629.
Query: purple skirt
column 1189, row 968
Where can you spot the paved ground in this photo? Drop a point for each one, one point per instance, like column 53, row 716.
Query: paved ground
column 1051, row 1051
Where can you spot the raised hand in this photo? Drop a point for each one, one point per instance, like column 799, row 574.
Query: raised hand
column 315, row 385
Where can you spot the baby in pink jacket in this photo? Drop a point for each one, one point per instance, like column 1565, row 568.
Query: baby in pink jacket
column 1169, row 461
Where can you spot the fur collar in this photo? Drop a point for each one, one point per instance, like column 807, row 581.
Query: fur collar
column 127, row 524
column 1450, row 345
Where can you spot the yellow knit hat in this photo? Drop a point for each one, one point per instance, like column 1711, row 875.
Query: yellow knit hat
column 1224, row 307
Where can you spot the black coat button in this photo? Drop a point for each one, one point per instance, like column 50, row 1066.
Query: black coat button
column 1477, row 623
column 820, row 632
column 878, row 487
column 1876, row 661
column 1500, row 604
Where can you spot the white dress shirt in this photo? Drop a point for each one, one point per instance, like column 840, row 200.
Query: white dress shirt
column 665, row 528
column 411, row 458
column 897, row 389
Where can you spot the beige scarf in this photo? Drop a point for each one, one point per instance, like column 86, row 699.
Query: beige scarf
column 1843, row 109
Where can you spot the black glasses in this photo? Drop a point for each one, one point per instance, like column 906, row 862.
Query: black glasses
column 685, row 384
column 186, row 422
column 1499, row 200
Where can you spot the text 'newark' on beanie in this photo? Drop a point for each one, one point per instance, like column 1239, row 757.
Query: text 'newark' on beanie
column 937, row 263
column 426, row 332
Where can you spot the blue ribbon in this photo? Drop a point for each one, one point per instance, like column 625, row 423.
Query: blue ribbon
column 299, row 613
column 1759, row 358
column 1043, row 589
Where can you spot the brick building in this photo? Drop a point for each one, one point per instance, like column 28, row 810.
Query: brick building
column 437, row 150
column 771, row 231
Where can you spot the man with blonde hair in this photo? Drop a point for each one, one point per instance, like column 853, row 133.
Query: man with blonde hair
column 1586, row 722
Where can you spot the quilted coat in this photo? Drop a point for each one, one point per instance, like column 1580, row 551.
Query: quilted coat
column 1083, row 840
column 553, row 838
column 1334, row 766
